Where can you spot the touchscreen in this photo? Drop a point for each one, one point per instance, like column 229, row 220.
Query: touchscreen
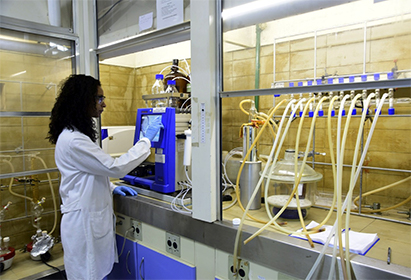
column 145, row 123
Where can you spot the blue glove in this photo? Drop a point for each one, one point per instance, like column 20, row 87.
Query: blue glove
column 124, row 190
column 144, row 126
column 153, row 128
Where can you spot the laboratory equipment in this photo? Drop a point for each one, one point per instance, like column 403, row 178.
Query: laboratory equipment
column 252, row 167
column 117, row 140
column 41, row 246
column 7, row 253
column 171, row 89
column 157, row 88
column 282, row 183
column 180, row 78
column 169, row 150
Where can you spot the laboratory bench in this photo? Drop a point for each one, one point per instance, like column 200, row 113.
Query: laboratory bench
column 277, row 251
column 271, row 249
column 23, row 267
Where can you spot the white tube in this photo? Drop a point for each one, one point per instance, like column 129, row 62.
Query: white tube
column 340, row 162
column 274, row 147
column 54, row 12
column 319, row 258
column 237, row 239
column 187, row 148
column 349, row 195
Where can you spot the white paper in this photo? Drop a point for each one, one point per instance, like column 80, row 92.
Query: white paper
column 145, row 21
column 169, row 13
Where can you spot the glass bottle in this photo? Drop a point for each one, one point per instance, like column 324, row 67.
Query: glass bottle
column 171, row 88
column 157, row 88
column 176, row 75
column 5, row 246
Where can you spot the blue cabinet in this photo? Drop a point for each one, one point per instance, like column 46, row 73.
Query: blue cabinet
column 126, row 268
column 154, row 265
column 140, row 262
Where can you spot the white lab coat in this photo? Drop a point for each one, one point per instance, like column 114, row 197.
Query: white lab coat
column 88, row 222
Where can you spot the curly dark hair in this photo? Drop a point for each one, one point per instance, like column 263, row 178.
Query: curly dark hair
column 76, row 100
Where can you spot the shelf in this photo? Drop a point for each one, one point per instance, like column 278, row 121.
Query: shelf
column 398, row 83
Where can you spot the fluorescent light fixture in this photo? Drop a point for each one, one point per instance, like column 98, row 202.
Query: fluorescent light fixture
column 251, row 7
column 19, row 73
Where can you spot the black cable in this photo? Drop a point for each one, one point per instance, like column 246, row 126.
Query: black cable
column 45, row 257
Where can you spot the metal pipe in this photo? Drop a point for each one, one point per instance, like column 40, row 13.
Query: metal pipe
column 364, row 215
column 28, row 173
column 28, row 216
column 54, row 12
column 258, row 31
column 369, row 167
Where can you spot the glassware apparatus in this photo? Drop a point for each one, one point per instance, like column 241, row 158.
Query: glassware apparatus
column 282, row 183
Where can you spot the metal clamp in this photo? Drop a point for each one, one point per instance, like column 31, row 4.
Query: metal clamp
column 406, row 212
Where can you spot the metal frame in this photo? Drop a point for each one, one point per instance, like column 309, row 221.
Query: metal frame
column 37, row 28
column 398, row 83
column 157, row 38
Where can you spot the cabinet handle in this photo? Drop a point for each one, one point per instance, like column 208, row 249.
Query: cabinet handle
column 128, row 270
column 141, row 263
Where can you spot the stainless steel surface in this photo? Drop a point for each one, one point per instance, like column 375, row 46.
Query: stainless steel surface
column 273, row 250
column 24, row 114
column 165, row 95
column 399, row 83
column 248, row 180
column 248, row 140
column 377, row 217
column 48, row 274
column 156, row 195
column 28, row 173
column 37, row 28
column 369, row 167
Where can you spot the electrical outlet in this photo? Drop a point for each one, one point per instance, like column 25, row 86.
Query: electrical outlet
column 173, row 244
column 243, row 269
column 136, row 232
column 122, row 224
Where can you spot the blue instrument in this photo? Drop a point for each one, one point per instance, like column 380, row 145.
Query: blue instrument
column 165, row 150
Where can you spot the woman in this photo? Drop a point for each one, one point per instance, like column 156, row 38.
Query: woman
column 87, row 225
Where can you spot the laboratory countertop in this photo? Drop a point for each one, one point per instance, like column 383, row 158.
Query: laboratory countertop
column 393, row 235
column 396, row 236
column 23, row 267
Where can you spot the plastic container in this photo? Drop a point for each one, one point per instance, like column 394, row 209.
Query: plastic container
column 171, row 88
column 157, row 88
column 6, row 254
column 282, row 182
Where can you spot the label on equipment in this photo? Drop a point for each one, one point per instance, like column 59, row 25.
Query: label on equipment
column 202, row 123
column 159, row 110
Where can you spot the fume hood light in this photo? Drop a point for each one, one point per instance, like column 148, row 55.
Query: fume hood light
column 19, row 73
column 254, row 6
